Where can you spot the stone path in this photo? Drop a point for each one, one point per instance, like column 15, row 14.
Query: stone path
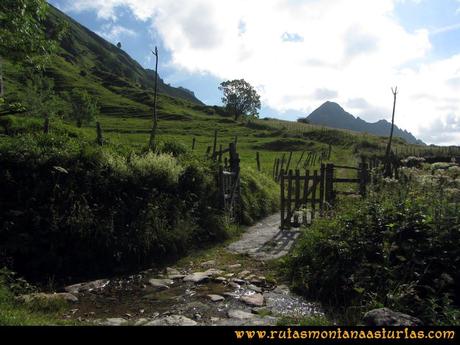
column 219, row 287
column 265, row 241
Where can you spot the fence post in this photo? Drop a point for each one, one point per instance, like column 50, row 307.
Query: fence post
column 329, row 183
column 100, row 139
column 258, row 161
column 214, row 146
column 220, row 182
column 362, row 179
column 297, row 197
column 321, row 189
column 193, row 143
column 313, row 193
column 289, row 199
column 282, row 198
column 289, row 161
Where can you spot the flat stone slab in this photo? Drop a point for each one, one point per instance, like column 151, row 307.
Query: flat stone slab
column 255, row 300
column 197, row 277
column 113, row 321
column 160, row 283
column 172, row 320
column 88, row 286
column 240, row 314
column 216, row 298
column 257, row 235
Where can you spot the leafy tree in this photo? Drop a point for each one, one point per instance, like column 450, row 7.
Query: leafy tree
column 84, row 107
column 240, row 98
column 40, row 98
column 23, row 37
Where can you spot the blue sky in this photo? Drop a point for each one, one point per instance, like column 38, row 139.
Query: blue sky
column 300, row 53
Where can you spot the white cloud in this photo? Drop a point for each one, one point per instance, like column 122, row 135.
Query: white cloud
column 297, row 51
column 115, row 33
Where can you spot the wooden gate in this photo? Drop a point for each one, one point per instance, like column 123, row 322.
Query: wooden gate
column 228, row 181
column 306, row 196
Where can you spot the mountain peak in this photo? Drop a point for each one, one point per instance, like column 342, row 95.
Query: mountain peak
column 331, row 114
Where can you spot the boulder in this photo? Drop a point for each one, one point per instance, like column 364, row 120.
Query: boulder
column 387, row 317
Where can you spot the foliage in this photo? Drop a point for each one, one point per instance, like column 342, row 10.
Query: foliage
column 84, row 107
column 260, row 195
column 73, row 208
column 240, row 98
column 22, row 30
column 40, row 98
column 398, row 248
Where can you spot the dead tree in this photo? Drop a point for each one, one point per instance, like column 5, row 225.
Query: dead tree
column 388, row 150
column 155, row 116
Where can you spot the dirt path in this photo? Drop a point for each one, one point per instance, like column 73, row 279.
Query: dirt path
column 220, row 286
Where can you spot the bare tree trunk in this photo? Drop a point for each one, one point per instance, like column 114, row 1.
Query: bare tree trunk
column 155, row 117
column 388, row 150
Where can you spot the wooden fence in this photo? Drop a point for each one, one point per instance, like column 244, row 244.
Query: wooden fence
column 228, row 182
column 308, row 195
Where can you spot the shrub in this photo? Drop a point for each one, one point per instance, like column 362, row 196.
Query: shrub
column 398, row 248
column 259, row 194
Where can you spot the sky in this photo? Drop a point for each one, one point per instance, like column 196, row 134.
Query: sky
column 300, row 53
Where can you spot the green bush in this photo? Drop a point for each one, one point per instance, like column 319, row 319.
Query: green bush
column 399, row 248
column 72, row 208
column 259, row 194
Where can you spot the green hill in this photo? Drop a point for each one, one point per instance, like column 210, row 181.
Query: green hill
column 85, row 60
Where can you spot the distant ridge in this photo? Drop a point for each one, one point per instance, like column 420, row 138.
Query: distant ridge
column 331, row 114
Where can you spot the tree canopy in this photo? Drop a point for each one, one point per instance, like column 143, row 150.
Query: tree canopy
column 240, row 98
column 22, row 31
column 84, row 107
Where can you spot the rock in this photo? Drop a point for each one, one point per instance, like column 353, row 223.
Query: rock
column 243, row 274
column 141, row 322
column 254, row 288
column 234, row 285
column 172, row 271
column 387, row 317
column 88, row 286
column 61, row 296
column 235, row 266
column 213, row 272
column 240, row 314
column 256, row 300
column 281, row 289
column 176, row 276
column 172, row 320
column 229, row 275
column 231, row 294
column 196, row 277
column 210, row 263
column 216, row 298
column 238, row 281
column 220, row 279
column 114, row 321
column 160, row 284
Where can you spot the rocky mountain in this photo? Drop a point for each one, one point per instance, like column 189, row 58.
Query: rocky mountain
column 331, row 114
